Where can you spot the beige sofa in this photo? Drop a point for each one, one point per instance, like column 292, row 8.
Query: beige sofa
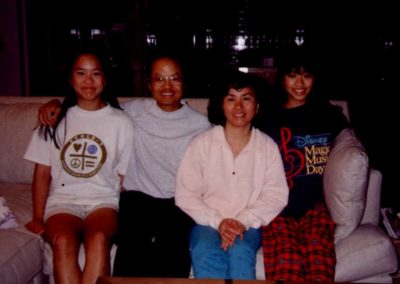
column 364, row 252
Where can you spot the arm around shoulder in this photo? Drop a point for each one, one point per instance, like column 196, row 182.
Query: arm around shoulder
column 48, row 113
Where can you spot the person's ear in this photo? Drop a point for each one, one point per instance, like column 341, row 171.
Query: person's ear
column 258, row 107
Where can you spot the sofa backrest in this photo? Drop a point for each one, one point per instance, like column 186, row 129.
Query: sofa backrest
column 18, row 117
column 17, row 122
column 200, row 104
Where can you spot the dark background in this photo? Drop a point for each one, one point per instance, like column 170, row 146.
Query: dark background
column 358, row 48
column 347, row 39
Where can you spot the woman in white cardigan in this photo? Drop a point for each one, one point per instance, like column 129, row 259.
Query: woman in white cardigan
column 231, row 181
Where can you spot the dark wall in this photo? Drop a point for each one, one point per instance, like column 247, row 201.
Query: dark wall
column 12, row 60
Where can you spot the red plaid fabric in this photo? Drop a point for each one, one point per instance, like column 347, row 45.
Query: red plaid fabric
column 300, row 250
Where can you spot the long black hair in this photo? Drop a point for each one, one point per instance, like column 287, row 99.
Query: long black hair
column 71, row 98
column 294, row 59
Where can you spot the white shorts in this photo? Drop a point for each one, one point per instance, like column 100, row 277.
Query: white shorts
column 81, row 211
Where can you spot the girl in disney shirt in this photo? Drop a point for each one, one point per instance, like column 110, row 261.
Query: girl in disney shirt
column 298, row 244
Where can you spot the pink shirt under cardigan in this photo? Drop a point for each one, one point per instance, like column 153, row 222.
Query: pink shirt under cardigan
column 213, row 185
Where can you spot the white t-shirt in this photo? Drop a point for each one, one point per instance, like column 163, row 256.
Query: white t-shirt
column 160, row 141
column 94, row 150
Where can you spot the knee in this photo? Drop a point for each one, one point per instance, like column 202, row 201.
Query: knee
column 242, row 262
column 242, row 250
column 199, row 251
column 63, row 243
column 98, row 240
column 203, row 252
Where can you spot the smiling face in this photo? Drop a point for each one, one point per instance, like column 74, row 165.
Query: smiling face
column 240, row 107
column 298, row 86
column 166, row 84
column 88, row 81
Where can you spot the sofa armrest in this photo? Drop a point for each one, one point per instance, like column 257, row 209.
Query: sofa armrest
column 366, row 252
column 372, row 206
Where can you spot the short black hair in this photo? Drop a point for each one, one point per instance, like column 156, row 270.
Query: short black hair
column 237, row 80
column 162, row 53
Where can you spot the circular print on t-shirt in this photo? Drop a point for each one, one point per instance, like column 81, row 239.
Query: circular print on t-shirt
column 83, row 155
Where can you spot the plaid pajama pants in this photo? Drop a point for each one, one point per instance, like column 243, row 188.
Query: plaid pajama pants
column 300, row 250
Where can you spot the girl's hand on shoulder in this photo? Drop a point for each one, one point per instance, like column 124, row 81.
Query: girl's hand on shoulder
column 36, row 226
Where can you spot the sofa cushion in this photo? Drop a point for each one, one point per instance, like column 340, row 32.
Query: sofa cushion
column 20, row 257
column 16, row 125
column 366, row 252
column 345, row 183
column 19, row 200
column 20, row 250
column 373, row 204
column 7, row 218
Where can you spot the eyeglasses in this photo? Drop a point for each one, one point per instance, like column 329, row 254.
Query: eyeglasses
column 173, row 79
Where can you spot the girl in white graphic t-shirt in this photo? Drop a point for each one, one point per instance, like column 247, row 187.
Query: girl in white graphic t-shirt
column 79, row 166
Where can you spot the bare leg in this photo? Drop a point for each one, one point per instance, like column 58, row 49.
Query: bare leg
column 100, row 227
column 63, row 232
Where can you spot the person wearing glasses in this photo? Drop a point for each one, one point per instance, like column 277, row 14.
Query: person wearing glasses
column 153, row 233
